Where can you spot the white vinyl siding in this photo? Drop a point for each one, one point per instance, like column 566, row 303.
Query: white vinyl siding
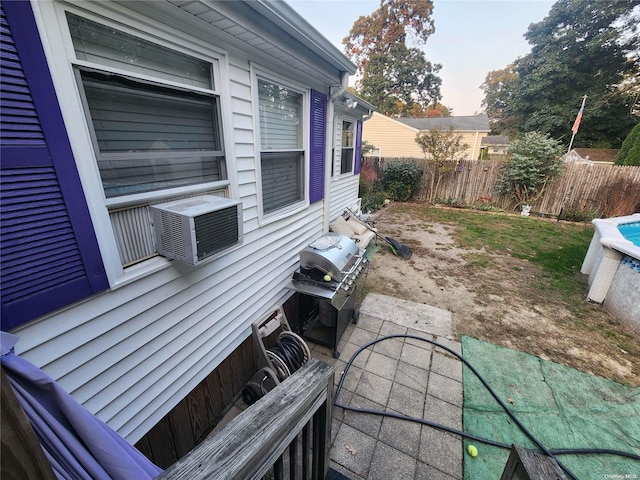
column 133, row 353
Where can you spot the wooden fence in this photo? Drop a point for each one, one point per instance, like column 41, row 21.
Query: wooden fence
column 588, row 190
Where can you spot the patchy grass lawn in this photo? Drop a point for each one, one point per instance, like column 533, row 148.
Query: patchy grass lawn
column 510, row 280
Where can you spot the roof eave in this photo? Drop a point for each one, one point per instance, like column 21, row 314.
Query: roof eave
column 283, row 15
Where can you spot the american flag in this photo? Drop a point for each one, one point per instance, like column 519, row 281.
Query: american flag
column 576, row 124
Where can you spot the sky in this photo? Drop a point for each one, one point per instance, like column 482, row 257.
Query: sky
column 472, row 38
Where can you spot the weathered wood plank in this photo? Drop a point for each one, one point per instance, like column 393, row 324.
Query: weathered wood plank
column 527, row 464
column 251, row 443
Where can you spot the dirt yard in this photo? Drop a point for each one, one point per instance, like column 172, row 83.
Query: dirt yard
column 496, row 301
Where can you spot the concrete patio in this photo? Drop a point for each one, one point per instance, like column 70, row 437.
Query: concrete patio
column 402, row 375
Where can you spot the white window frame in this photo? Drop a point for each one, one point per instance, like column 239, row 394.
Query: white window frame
column 354, row 126
column 60, row 54
column 260, row 73
column 338, row 119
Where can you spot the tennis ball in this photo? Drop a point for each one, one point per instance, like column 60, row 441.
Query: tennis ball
column 327, row 278
column 473, row 451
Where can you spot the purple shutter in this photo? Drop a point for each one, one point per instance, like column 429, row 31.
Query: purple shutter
column 358, row 164
column 318, row 145
column 49, row 253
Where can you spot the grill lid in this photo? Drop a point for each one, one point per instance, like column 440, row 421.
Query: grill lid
column 332, row 253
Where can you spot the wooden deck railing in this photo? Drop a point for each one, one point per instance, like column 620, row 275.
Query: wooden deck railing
column 287, row 432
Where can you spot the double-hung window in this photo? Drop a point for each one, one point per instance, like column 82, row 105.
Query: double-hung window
column 154, row 116
column 347, row 149
column 282, row 156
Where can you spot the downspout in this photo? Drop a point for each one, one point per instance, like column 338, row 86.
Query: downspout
column 328, row 155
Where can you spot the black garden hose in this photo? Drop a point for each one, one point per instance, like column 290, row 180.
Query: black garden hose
column 290, row 351
column 550, row 453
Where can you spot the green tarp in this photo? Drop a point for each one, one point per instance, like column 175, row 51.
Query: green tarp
column 562, row 407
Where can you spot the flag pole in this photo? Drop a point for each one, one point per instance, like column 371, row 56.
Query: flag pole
column 576, row 124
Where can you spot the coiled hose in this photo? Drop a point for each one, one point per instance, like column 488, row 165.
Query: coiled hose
column 288, row 354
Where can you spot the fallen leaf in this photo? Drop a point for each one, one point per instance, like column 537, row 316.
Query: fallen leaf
column 351, row 450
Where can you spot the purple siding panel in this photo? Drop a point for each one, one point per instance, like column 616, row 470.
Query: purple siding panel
column 318, row 145
column 358, row 164
column 49, row 253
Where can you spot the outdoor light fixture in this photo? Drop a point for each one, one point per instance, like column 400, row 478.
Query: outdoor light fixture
column 350, row 104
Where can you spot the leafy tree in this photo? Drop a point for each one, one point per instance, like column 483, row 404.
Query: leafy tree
column 534, row 160
column 400, row 79
column 629, row 154
column 443, row 150
column 395, row 77
column 438, row 110
column 583, row 47
column 499, row 89
column 392, row 23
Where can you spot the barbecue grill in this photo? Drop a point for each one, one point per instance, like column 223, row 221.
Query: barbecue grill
column 330, row 271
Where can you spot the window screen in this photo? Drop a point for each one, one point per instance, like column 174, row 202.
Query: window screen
column 282, row 154
column 103, row 45
column 346, row 157
column 148, row 135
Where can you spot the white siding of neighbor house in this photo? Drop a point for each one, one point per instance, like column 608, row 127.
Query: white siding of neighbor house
column 131, row 354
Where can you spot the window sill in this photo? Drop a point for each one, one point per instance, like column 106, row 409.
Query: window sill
column 140, row 270
column 283, row 213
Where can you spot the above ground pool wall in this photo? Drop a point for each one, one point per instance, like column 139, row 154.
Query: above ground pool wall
column 623, row 298
column 613, row 266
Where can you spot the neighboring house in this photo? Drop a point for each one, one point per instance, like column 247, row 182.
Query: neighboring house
column 495, row 145
column 395, row 137
column 109, row 108
column 592, row 155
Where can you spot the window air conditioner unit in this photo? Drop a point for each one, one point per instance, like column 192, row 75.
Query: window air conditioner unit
column 194, row 229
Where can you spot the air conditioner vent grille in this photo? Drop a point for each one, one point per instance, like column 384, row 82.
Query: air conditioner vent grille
column 171, row 237
column 216, row 231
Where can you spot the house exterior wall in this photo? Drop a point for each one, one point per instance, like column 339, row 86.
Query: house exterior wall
column 131, row 353
column 392, row 137
column 397, row 140
column 473, row 140
column 343, row 189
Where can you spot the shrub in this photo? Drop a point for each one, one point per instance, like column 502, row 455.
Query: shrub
column 373, row 199
column 629, row 153
column 577, row 213
column 534, row 160
column 486, row 204
column 401, row 180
